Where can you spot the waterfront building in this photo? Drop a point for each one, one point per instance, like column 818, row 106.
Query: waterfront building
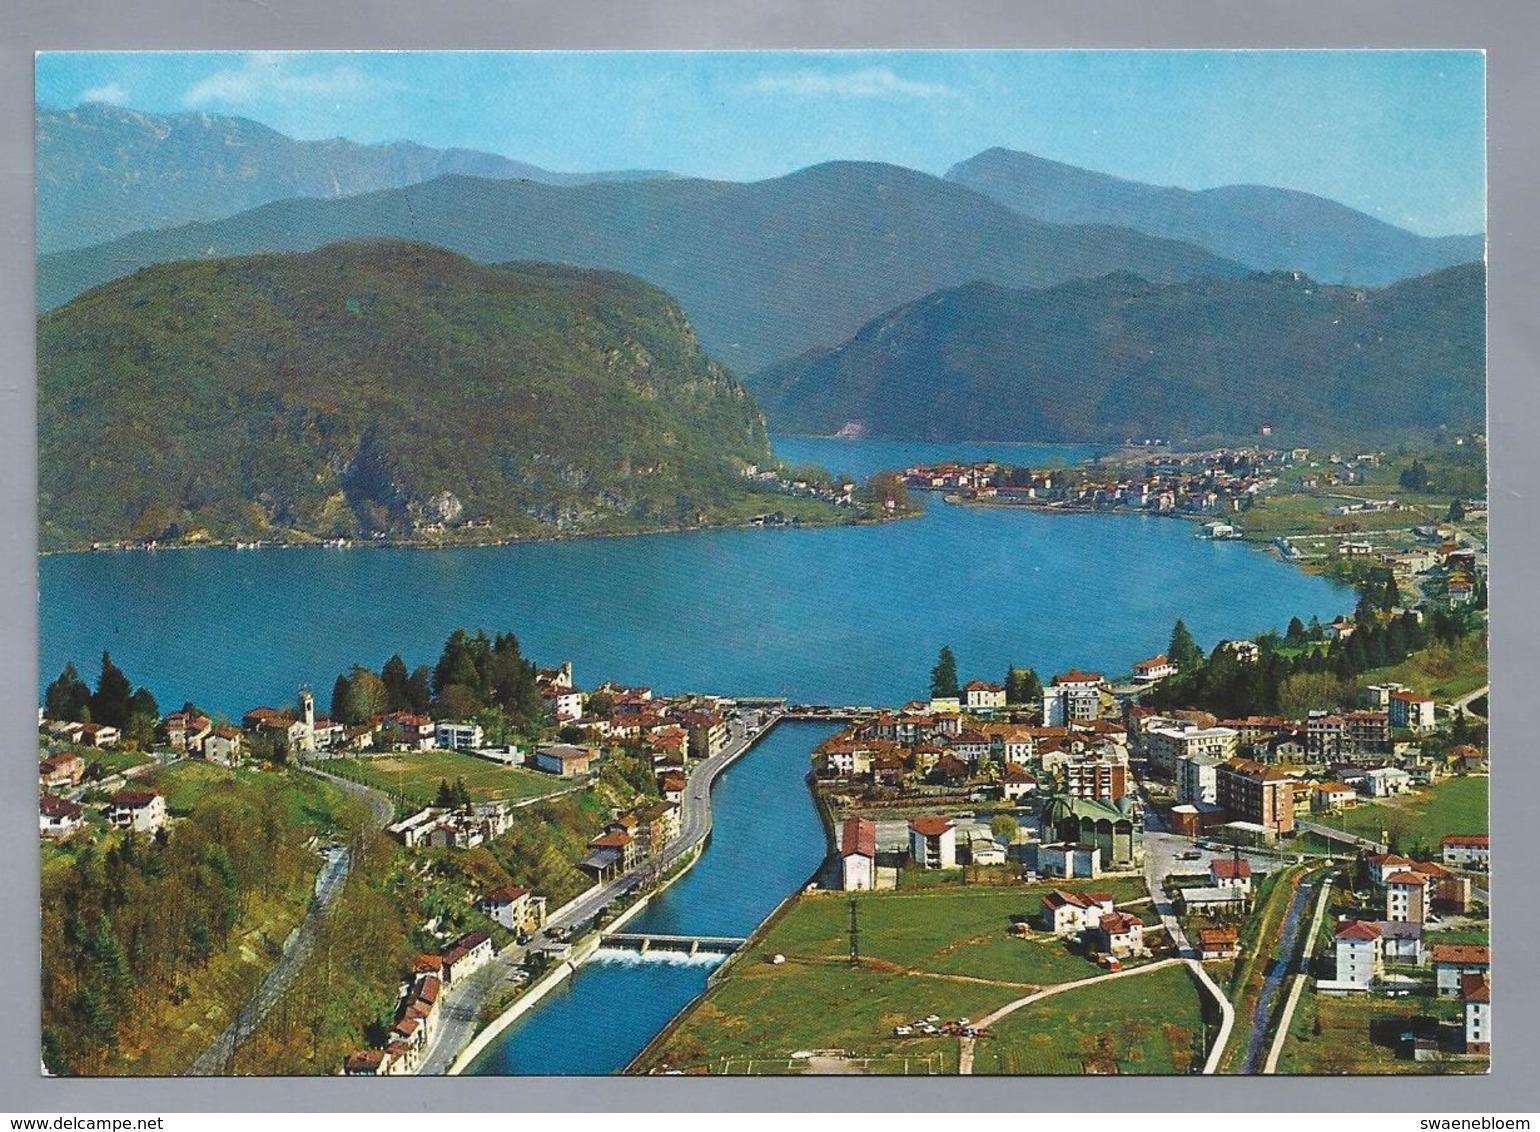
column 981, row 696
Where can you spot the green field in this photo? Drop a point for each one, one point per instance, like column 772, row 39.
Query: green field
column 1443, row 673
column 1359, row 1035
column 937, row 951
column 1423, row 818
column 415, row 777
column 1145, row 1024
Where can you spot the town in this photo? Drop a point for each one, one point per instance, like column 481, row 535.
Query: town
column 1101, row 826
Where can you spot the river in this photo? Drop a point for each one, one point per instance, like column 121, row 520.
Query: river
column 834, row 614
column 766, row 842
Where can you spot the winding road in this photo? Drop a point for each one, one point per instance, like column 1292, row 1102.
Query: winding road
column 297, row 947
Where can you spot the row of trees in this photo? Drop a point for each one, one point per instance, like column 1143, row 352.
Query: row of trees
column 475, row 675
column 1300, row 670
column 115, row 702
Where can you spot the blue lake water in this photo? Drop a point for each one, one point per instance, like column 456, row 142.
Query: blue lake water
column 766, row 842
column 839, row 614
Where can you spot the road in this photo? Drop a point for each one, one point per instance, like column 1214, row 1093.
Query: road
column 1464, row 702
column 1160, row 854
column 297, row 948
column 296, row 951
column 461, row 1007
column 1332, row 834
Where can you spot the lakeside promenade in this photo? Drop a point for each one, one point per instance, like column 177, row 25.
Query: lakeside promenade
column 460, row 1025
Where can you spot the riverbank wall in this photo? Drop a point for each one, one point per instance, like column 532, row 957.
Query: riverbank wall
column 722, row 970
column 582, row 952
column 584, row 949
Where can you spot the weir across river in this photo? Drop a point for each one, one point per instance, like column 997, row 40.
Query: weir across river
column 692, row 944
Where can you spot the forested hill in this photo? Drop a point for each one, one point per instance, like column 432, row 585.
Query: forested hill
column 380, row 389
column 1118, row 357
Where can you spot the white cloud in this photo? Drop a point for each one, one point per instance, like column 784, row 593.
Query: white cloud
column 271, row 77
column 869, row 82
column 111, row 92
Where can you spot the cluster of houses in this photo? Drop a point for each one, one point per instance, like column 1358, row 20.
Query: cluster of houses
column 636, row 836
column 1413, row 892
column 1204, row 482
column 420, row 1007
column 1103, row 930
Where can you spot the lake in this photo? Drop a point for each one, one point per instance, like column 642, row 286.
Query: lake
column 834, row 614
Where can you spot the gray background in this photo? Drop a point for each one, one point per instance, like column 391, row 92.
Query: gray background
column 1506, row 30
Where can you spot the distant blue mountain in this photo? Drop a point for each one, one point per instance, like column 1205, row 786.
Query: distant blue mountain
column 764, row 270
column 104, row 171
column 1264, row 228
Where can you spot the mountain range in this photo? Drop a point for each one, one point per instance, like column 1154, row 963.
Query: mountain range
column 766, row 270
column 104, row 171
column 1119, row 357
column 380, row 389
column 1263, row 227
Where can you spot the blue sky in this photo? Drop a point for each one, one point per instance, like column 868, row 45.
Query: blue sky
column 1399, row 135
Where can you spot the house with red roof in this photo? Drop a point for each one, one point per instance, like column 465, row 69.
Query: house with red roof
column 64, row 769
column 978, row 695
column 933, row 842
column 1360, row 955
column 1453, row 961
column 858, row 855
column 1069, row 913
column 1467, row 850
column 58, row 818
column 1118, row 934
column 1230, row 872
column 1218, row 943
column 515, row 908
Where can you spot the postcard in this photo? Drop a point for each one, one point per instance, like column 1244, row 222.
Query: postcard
column 699, row 563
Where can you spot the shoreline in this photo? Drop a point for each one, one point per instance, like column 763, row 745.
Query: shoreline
column 531, row 998
column 471, row 544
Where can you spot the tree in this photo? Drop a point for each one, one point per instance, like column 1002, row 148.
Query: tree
column 888, row 490
column 366, row 696
column 1005, row 828
column 1296, row 633
column 395, row 680
column 143, row 719
column 1456, row 511
column 1022, row 686
column 340, row 698
column 1183, row 651
column 943, row 677
column 1414, row 478
column 419, row 690
column 109, row 704
column 68, row 697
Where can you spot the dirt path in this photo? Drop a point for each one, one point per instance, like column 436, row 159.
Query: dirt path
column 965, row 1050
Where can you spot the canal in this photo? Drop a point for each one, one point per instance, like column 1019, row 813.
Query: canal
column 766, row 842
